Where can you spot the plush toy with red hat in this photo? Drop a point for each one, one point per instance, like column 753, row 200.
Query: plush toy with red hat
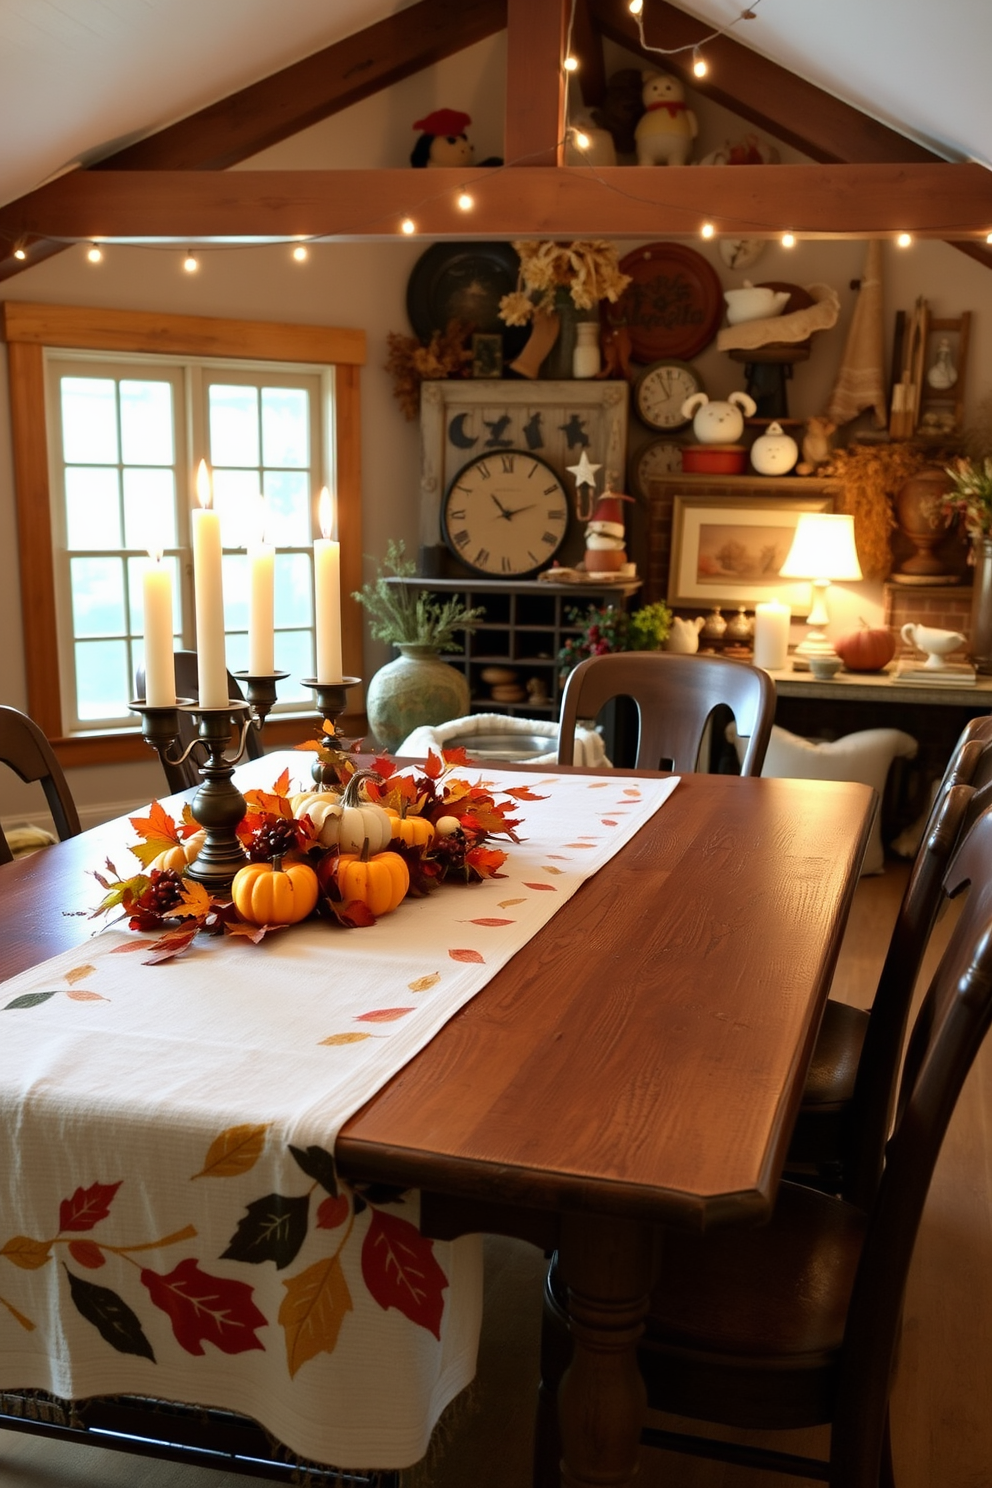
column 443, row 140
column 605, row 549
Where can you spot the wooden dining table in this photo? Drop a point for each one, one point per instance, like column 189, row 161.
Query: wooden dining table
column 638, row 1066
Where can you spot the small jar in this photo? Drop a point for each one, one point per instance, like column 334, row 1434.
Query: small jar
column 714, row 627
column 739, row 628
column 585, row 357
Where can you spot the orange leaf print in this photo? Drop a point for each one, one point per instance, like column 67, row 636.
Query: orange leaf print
column 312, row 1311
column 424, row 983
column 82, row 996
column 489, row 923
column 607, row 822
column 548, row 888
column 29, row 1254
column 346, row 1038
column 506, row 903
column 19, row 1317
column 383, row 1015
column 467, row 955
column 235, row 1151
column 635, row 794
column 580, row 844
column 131, row 945
column 77, row 973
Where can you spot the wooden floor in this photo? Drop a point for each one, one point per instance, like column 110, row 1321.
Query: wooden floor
column 942, row 1423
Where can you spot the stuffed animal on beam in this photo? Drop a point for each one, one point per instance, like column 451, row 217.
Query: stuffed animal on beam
column 443, row 141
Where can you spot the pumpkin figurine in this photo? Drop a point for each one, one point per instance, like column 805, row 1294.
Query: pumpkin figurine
column 868, row 649
column 269, row 894
column 345, row 822
column 412, row 831
column 179, row 857
column 377, row 880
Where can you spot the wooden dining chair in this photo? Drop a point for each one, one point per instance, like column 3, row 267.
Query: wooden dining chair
column 25, row 749
column 181, row 777
column 847, row 1104
column 796, row 1323
column 676, row 696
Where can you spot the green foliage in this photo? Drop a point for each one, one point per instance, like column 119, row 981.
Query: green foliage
column 606, row 629
column 403, row 615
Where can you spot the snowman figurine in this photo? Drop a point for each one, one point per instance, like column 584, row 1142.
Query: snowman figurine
column 605, row 548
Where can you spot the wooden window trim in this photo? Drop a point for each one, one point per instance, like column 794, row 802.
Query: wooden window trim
column 30, row 329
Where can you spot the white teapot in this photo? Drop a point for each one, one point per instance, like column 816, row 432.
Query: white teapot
column 684, row 635
column 754, row 302
column 936, row 643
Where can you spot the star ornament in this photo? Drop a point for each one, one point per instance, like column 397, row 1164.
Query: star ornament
column 584, row 472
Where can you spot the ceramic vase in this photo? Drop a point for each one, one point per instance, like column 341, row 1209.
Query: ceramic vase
column 558, row 364
column 585, row 357
column 919, row 514
column 980, row 627
column 415, row 690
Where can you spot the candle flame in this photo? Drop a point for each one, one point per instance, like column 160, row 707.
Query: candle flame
column 325, row 512
column 261, row 519
column 155, row 554
column 203, row 486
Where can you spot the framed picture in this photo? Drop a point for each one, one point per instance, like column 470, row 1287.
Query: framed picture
column 487, row 355
column 461, row 419
column 728, row 550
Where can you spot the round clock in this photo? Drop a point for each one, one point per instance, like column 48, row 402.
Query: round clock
column 741, row 253
column 657, row 457
column 661, row 389
column 505, row 514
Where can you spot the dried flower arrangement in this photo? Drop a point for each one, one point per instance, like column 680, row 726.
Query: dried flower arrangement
column 589, row 271
column 446, row 354
column 871, row 475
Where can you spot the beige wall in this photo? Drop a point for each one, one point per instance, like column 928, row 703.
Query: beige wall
column 364, row 284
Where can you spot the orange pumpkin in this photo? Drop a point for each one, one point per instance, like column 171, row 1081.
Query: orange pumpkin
column 379, row 881
column 412, row 831
column 177, row 858
column 866, row 650
column 268, row 894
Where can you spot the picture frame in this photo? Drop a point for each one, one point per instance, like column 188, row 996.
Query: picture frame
column 487, row 355
column 727, row 550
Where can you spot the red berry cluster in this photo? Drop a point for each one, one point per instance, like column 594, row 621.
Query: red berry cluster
column 274, row 837
column 162, row 893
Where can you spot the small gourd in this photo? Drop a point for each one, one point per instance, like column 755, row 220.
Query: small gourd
column 378, row 880
column 412, row 831
column 348, row 822
column 269, row 894
column 177, row 858
column 320, row 807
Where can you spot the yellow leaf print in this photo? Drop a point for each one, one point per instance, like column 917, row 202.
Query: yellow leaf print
column 29, row 1254
column 19, row 1317
column 506, row 903
column 423, row 983
column 346, row 1038
column 77, row 973
column 235, row 1151
column 313, row 1310
column 547, row 867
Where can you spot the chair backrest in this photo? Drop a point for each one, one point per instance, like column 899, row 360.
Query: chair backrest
column 25, row 749
column 675, row 696
column 953, row 1020
column 181, row 777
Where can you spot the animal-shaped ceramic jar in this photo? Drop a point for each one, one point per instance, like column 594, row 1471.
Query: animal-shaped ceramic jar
column 718, row 422
column 665, row 131
column 684, row 635
column 775, row 452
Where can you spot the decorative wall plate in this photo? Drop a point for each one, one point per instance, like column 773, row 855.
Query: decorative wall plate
column 674, row 305
column 464, row 281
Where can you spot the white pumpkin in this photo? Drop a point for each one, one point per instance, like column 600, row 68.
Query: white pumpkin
column 346, row 822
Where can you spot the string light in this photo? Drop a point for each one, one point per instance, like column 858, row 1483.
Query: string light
column 95, row 253
column 300, row 253
column 904, row 239
column 571, row 64
column 788, row 240
column 465, row 201
column 636, row 6
column 699, row 66
column 20, row 252
column 582, row 141
column 707, row 230
column 190, row 264
column 988, row 237
column 408, row 226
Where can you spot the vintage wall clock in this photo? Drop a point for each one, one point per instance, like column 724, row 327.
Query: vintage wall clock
column 505, row 514
column 659, row 456
column 661, row 389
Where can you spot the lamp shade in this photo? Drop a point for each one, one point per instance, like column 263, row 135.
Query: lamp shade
column 823, row 548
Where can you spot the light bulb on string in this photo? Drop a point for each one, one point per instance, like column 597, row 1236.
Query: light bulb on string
column 707, row 230
column 699, row 65
column 300, row 253
column 635, row 6
column 465, row 201
column 571, row 64
column 95, row 253
column 20, row 252
column 788, row 240
column 190, row 262
column 582, row 141
column 988, row 237
column 904, row 239
column 408, row 226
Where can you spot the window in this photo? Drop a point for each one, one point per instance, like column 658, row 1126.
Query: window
column 125, row 430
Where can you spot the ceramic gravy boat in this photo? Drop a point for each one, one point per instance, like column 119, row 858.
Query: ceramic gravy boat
column 936, row 643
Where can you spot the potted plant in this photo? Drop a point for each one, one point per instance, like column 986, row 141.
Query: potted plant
column 606, row 629
column 969, row 502
column 559, row 284
column 418, row 687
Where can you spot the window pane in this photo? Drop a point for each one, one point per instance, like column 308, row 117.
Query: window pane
column 287, row 508
column 293, row 577
column 150, row 509
column 146, row 423
column 103, row 686
column 89, row 420
column 294, row 654
column 233, row 425
column 236, row 592
column 97, row 596
column 135, row 570
column 92, row 507
column 285, row 427
column 236, row 499
column 236, row 647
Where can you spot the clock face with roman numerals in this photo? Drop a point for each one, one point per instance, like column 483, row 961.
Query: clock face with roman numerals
column 505, row 514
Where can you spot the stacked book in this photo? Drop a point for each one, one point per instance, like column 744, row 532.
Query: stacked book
column 951, row 674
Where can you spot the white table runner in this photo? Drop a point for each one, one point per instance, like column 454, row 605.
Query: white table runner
column 170, row 1223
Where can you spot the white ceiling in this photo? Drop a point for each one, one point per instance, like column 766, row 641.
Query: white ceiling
column 78, row 77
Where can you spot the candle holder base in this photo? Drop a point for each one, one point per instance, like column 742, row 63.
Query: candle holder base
column 331, row 700
column 218, row 805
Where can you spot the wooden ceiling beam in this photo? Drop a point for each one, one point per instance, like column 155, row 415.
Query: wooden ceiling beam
column 535, row 82
column 939, row 201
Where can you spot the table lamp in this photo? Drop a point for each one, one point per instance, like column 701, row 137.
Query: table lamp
column 822, row 551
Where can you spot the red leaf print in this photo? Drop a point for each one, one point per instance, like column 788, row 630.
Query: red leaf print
column 383, row 1015
column 607, row 821
column 490, row 923
column 130, row 945
column 400, row 1271
column 85, row 1253
column 548, row 888
column 333, row 1212
column 467, row 955
column 202, row 1307
column 87, row 1206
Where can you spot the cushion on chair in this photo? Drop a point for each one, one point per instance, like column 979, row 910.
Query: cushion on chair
column 459, row 732
column 864, row 756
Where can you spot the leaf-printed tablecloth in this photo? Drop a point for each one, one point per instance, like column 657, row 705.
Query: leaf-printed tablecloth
column 170, row 1220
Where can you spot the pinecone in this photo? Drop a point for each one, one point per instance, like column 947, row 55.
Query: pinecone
column 163, row 893
column 273, row 838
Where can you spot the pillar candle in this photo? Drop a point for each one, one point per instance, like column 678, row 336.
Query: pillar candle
column 208, row 590
column 261, row 614
column 771, row 635
column 160, row 662
column 327, row 597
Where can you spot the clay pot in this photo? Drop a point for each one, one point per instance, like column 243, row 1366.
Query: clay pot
column 918, row 512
